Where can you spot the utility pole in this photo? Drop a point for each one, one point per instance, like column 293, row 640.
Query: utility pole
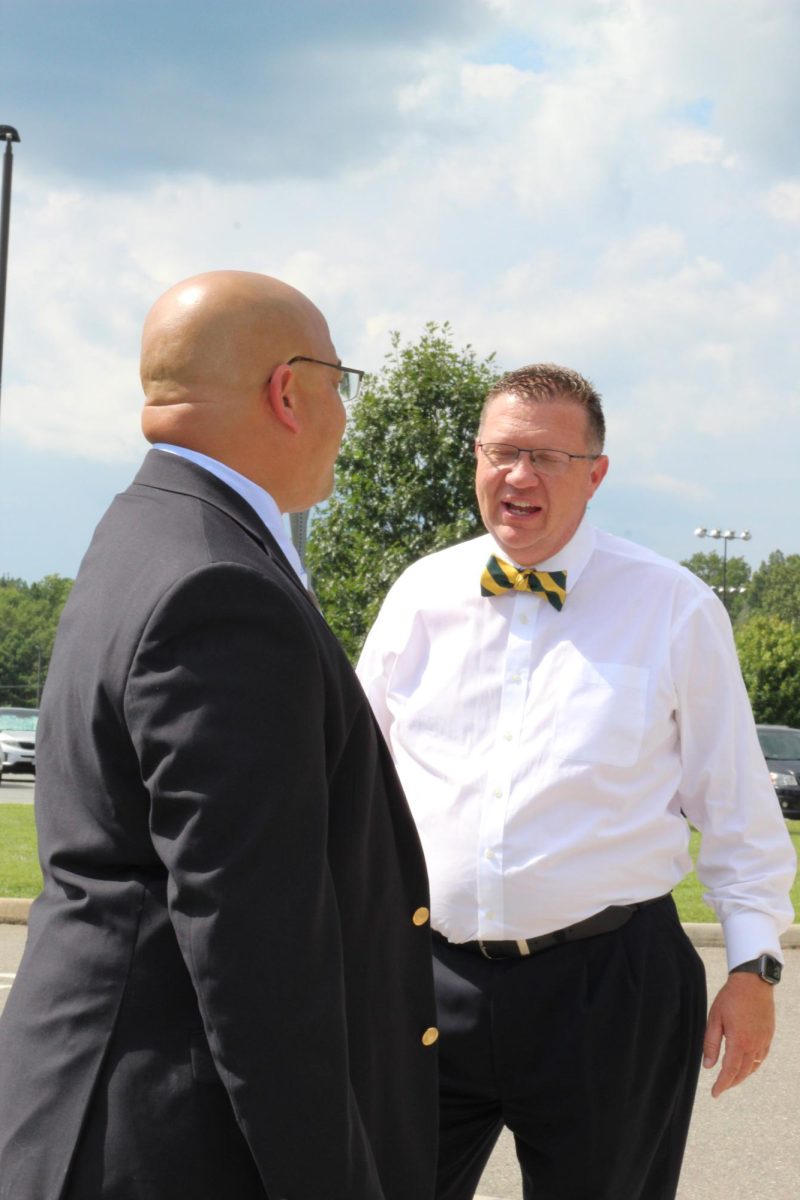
column 8, row 135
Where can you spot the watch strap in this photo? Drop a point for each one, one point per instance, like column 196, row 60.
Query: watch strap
column 765, row 966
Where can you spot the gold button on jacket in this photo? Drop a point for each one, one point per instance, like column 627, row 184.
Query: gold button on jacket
column 430, row 1036
column 421, row 916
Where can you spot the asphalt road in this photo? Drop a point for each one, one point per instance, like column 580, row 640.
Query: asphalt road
column 744, row 1146
column 16, row 789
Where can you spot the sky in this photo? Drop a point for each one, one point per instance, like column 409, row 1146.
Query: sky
column 613, row 185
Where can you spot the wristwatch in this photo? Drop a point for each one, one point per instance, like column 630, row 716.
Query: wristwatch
column 766, row 966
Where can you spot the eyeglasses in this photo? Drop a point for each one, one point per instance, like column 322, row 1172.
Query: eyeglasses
column 544, row 462
column 350, row 382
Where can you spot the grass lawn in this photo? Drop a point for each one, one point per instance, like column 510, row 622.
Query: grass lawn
column 19, row 866
column 689, row 893
column 20, row 875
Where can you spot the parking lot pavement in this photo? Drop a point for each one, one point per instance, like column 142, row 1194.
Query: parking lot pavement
column 16, row 789
column 12, row 942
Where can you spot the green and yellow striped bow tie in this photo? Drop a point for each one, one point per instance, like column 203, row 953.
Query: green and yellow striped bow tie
column 499, row 577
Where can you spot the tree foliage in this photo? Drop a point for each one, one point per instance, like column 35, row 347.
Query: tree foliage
column 775, row 588
column 712, row 569
column 29, row 615
column 404, row 479
column 769, row 655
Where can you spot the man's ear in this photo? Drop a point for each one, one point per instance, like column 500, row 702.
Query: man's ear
column 281, row 399
column 597, row 473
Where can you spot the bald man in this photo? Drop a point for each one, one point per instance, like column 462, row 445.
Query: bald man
column 226, row 989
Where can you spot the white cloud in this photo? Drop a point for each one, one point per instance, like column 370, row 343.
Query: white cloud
column 670, row 485
column 583, row 182
column 783, row 201
column 649, row 250
column 496, row 82
column 687, row 146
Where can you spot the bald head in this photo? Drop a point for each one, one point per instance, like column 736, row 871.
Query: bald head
column 212, row 340
column 210, row 348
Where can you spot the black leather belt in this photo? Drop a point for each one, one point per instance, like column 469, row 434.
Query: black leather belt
column 603, row 922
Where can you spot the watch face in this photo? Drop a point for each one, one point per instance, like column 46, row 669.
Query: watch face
column 770, row 969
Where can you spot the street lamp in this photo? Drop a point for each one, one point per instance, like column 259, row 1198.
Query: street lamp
column 8, row 135
column 727, row 535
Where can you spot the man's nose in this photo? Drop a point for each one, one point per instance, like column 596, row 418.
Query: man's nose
column 523, row 472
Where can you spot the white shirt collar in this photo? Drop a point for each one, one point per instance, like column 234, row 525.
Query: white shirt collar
column 571, row 558
column 257, row 497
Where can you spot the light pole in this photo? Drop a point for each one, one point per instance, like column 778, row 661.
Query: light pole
column 727, row 535
column 298, row 524
column 8, row 135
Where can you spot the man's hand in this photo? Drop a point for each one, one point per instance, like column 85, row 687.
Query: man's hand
column 744, row 1015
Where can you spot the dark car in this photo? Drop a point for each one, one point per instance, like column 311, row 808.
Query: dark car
column 18, row 740
column 781, row 747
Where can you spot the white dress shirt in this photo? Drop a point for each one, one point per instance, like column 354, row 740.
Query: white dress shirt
column 547, row 755
column 257, row 497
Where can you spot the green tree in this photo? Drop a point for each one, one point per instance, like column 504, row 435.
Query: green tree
column 29, row 615
column 775, row 588
column 769, row 655
column 711, row 568
column 404, row 479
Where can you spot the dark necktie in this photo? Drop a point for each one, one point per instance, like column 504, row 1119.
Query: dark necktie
column 500, row 577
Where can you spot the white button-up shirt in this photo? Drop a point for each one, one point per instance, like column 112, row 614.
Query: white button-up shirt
column 548, row 756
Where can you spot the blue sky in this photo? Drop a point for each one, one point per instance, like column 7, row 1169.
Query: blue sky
column 609, row 184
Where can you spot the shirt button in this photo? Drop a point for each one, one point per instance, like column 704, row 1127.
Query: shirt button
column 430, row 1036
column 516, row 678
column 488, row 853
column 497, row 793
column 523, row 620
column 421, row 916
column 508, row 735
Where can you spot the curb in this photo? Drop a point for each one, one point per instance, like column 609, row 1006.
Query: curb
column 710, row 934
column 15, row 912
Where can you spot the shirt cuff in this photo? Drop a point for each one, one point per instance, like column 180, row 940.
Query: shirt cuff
column 748, row 935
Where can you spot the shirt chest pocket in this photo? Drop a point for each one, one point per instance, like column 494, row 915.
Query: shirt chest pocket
column 599, row 712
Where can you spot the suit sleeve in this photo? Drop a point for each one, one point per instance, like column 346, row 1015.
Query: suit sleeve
column 226, row 706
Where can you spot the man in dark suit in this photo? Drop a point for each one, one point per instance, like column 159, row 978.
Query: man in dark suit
column 226, row 989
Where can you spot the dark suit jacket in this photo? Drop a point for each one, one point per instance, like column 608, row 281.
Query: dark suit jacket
column 224, row 991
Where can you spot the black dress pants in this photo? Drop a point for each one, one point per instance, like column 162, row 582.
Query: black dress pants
column 589, row 1053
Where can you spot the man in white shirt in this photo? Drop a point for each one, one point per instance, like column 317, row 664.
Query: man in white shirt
column 553, row 731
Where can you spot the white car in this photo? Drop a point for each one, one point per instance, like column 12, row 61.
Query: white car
column 18, row 740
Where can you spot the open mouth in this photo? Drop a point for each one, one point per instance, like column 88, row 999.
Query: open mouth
column 516, row 508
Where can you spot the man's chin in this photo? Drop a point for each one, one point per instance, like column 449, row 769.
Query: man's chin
column 517, row 545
